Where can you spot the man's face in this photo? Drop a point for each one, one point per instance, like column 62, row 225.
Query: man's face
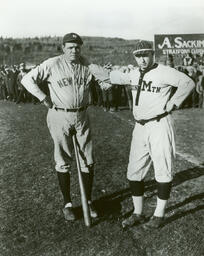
column 144, row 60
column 72, row 51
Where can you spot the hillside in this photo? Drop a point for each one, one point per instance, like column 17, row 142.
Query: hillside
column 98, row 50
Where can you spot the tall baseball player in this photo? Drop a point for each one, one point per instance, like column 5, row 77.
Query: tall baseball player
column 69, row 80
column 153, row 138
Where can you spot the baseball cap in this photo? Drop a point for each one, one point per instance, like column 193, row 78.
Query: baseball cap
column 142, row 47
column 72, row 38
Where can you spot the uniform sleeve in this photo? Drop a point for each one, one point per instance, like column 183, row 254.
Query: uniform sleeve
column 36, row 76
column 117, row 77
column 183, row 83
column 100, row 74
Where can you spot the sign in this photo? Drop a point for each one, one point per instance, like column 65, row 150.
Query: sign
column 178, row 44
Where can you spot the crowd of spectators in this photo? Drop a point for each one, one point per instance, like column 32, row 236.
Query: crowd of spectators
column 11, row 88
column 193, row 66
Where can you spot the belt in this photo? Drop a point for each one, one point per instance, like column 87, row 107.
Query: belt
column 157, row 118
column 71, row 109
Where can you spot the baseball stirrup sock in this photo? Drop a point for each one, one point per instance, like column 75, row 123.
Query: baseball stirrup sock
column 138, row 204
column 163, row 190
column 137, row 187
column 160, row 209
column 64, row 183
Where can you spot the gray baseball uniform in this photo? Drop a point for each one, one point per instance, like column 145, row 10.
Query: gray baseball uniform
column 69, row 86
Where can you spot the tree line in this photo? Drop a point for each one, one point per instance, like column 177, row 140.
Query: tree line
column 98, row 50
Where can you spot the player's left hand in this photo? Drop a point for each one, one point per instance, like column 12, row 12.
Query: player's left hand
column 170, row 107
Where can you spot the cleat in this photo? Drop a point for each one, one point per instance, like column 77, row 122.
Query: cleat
column 154, row 222
column 112, row 110
column 93, row 211
column 133, row 219
column 69, row 213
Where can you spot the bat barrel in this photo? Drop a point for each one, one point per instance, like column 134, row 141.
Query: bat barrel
column 84, row 201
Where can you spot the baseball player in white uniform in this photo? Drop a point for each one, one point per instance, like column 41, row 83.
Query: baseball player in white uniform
column 69, row 80
column 153, row 139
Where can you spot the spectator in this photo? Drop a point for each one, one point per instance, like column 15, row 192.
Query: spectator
column 23, row 93
column 188, row 60
column 200, row 91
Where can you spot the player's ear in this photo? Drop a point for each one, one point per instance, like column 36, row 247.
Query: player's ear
column 151, row 54
column 135, row 58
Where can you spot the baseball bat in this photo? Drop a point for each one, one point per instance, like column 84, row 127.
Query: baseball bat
column 84, row 202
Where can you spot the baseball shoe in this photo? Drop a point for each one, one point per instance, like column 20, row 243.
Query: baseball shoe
column 69, row 213
column 112, row 110
column 154, row 222
column 133, row 220
column 93, row 211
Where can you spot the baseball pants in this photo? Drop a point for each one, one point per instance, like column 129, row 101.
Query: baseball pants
column 60, row 124
column 154, row 143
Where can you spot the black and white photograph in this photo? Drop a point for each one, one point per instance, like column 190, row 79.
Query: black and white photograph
column 102, row 128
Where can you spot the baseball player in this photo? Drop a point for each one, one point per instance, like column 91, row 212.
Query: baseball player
column 69, row 80
column 153, row 138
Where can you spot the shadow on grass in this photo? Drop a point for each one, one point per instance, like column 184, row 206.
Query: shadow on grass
column 186, row 201
column 182, row 214
column 109, row 207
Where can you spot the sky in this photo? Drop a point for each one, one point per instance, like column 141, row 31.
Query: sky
column 128, row 19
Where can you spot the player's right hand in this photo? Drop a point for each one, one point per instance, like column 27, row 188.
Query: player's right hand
column 47, row 102
column 107, row 66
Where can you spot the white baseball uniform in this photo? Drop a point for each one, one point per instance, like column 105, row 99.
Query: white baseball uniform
column 69, row 86
column 153, row 138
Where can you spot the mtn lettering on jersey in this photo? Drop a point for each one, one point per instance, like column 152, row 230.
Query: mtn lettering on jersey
column 147, row 86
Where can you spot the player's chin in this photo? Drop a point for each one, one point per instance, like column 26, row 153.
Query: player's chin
column 74, row 57
column 143, row 67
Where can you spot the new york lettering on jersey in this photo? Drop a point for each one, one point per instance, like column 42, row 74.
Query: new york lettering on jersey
column 66, row 81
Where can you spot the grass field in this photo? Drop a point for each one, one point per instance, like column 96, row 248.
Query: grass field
column 31, row 220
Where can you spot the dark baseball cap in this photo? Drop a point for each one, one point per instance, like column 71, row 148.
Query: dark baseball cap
column 142, row 47
column 72, row 38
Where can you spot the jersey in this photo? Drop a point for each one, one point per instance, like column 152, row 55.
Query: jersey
column 68, row 83
column 155, row 89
